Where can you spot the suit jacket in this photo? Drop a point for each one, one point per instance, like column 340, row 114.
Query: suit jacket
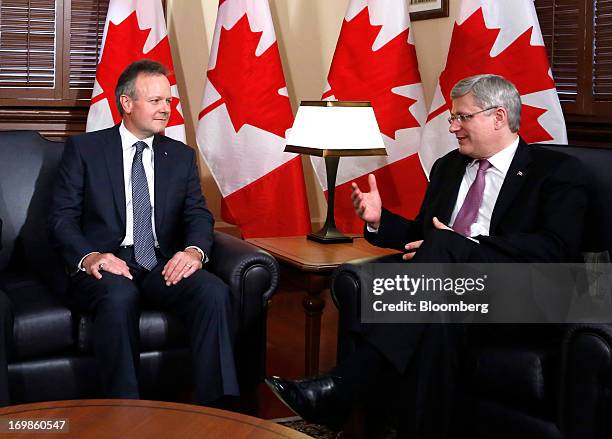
column 538, row 216
column 88, row 208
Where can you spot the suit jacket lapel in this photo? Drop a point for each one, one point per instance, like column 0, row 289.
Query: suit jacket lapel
column 512, row 183
column 452, row 181
column 162, row 174
column 113, row 152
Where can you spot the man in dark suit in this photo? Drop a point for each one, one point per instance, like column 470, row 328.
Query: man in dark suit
column 129, row 218
column 495, row 199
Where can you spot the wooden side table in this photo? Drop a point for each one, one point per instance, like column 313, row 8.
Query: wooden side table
column 311, row 264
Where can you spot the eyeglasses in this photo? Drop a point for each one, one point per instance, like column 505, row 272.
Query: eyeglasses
column 461, row 117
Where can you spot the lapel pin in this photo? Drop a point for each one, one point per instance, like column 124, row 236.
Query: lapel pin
column 165, row 153
column 519, row 173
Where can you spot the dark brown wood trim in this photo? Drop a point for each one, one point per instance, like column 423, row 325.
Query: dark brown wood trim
column 38, row 102
column 53, row 123
column 583, row 131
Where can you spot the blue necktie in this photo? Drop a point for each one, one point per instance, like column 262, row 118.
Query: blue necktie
column 144, row 243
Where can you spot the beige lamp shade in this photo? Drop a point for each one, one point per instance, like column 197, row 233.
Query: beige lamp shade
column 335, row 128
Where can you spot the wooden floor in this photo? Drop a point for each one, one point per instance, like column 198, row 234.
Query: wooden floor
column 285, row 355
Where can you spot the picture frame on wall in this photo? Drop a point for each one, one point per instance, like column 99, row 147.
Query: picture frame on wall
column 425, row 9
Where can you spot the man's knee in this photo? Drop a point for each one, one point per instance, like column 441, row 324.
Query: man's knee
column 443, row 246
column 443, row 238
column 211, row 291
column 116, row 294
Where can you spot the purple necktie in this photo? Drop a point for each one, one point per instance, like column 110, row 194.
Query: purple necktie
column 469, row 210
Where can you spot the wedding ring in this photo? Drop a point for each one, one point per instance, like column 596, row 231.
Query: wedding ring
column 188, row 265
column 101, row 266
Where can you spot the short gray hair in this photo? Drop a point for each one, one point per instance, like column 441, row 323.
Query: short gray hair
column 492, row 91
column 126, row 84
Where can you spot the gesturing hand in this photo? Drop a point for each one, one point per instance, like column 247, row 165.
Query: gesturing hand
column 367, row 205
column 182, row 265
column 96, row 263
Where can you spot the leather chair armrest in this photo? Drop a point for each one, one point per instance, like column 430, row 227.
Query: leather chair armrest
column 346, row 294
column 586, row 372
column 251, row 273
column 346, row 279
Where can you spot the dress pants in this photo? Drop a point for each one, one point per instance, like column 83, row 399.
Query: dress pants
column 202, row 301
column 423, row 358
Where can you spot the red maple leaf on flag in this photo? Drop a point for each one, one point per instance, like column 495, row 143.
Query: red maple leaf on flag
column 523, row 64
column 359, row 73
column 123, row 45
column 249, row 84
column 531, row 130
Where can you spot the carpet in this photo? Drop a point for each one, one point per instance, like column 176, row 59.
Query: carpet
column 317, row 431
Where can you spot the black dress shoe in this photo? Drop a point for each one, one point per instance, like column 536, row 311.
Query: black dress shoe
column 319, row 400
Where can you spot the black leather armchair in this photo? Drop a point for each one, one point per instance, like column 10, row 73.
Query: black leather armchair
column 527, row 381
column 50, row 354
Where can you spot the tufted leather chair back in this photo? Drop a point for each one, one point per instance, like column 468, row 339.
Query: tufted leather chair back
column 28, row 164
column 597, row 235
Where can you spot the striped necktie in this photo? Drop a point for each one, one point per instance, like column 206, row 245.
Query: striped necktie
column 144, row 243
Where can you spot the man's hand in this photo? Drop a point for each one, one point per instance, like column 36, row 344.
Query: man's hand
column 96, row 263
column 182, row 265
column 367, row 205
column 440, row 225
column 411, row 247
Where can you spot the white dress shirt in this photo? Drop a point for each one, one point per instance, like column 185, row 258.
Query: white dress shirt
column 494, row 179
column 129, row 151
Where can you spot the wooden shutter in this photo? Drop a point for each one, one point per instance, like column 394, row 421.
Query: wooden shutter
column 83, row 45
column 563, row 34
column 602, row 51
column 27, row 47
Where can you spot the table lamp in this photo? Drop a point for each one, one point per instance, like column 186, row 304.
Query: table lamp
column 334, row 129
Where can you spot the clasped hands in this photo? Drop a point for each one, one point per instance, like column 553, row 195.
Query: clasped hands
column 368, row 206
column 182, row 265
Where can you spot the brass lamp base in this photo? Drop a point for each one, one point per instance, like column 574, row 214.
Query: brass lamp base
column 329, row 235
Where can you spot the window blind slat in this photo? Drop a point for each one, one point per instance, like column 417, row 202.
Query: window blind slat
column 28, row 44
column 602, row 51
column 86, row 30
column 560, row 32
column 28, row 41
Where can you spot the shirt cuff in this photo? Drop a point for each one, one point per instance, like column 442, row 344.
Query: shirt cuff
column 80, row 265
column 203, row 256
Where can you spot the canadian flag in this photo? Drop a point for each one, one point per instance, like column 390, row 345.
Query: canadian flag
column 375, row 60
column 241, row 133
column 134, row 29
column 501, row 37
